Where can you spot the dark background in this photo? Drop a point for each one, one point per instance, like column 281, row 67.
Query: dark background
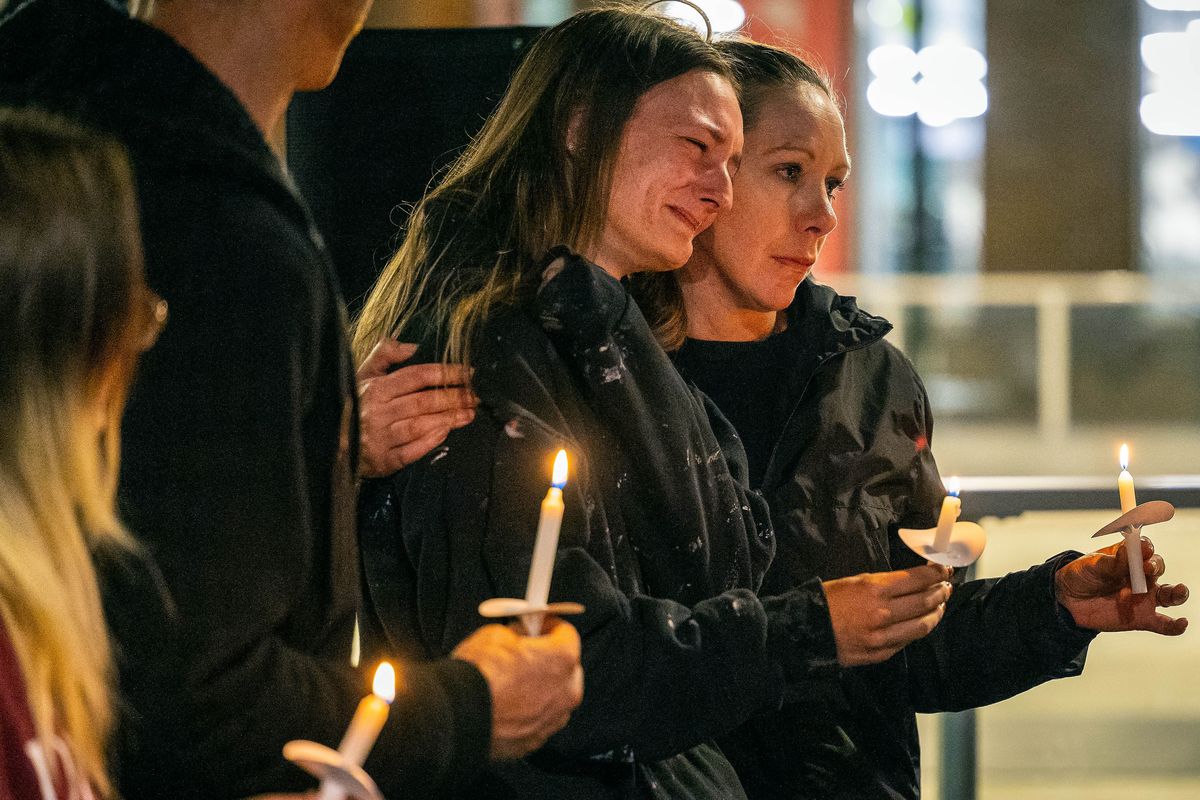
column 403, row 105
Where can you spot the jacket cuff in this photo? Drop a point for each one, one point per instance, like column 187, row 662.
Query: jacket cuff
column 470, row 702
column 800, row 633
column 1052, row 628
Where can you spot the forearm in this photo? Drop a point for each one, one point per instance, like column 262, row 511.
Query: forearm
column 999, row 637
column 662, row 677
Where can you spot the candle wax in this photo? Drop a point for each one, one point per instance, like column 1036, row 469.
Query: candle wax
column 951, row 507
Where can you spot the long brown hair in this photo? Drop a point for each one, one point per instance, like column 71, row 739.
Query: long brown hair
column 758, row 69
column 73, row 317
column 538, row 175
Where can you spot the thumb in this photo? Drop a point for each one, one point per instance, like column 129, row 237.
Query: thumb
column 384, row 355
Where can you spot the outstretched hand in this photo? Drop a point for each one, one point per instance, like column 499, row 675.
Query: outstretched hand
column 876, row 614
column 406, row 412
column 1095, row 590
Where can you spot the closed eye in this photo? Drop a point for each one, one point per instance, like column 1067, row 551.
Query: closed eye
column 703, row 147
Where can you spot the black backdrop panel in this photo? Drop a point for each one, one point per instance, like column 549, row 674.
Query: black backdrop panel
column 403, row 105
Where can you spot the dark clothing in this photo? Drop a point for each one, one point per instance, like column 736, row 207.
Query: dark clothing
column 238, row 443
column 660, row 542
column 751, row 382
column 851, row 466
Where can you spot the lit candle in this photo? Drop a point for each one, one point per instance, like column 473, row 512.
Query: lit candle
column 1125, row 483
column 545, row 547
column 1133, row 535
column 951, row 507
column 365, row 726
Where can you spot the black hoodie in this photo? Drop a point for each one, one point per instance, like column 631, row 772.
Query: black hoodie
column 239, row 441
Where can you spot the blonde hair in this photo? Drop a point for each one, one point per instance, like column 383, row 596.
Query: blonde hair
column 72, row 300
column 478, row 238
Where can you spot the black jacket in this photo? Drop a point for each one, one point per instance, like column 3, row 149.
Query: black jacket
column 851, row 465
column 660, row 542
column 237, row 472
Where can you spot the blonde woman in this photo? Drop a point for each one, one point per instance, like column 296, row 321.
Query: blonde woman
column 74, row 314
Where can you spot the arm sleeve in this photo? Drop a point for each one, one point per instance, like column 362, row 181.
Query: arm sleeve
column 659, row 676
column 229, row 456
column 999, row 636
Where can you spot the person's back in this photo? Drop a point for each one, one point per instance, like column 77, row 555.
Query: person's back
column 241, row 429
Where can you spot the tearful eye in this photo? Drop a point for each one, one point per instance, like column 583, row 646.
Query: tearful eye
column 790, row 172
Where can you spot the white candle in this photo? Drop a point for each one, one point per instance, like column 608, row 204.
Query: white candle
column 364, row 728
column 545, row 547
column 1133, row 536
column 951, row 507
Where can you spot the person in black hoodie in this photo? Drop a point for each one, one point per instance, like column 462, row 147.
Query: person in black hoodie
column 238, row 474
column 837, row 427
column 616, row 139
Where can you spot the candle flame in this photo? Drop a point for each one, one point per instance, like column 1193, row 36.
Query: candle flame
column 385, row 683
column 1124, row 457
column 560, row 470
column 953, row 486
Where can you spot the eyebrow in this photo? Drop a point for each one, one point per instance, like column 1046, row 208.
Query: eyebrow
column 800, row 148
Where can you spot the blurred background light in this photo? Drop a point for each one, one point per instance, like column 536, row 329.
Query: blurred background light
column 1175, row 5
column 886, row 13
column 893, row 61
column 950, row 87
column 726, row 16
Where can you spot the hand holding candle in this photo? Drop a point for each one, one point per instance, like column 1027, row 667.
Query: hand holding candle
column 545, row 547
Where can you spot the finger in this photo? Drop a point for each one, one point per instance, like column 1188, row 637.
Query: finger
column 1154, row 566
column 417, row 377
column 430, row 401
column 898, row 635
column 917, row 604
column 1167, row 626
column 383, row 356
column 915, row 579
column 562, row 641
column 410, row 453
column 406, row 431
column 1169, row 595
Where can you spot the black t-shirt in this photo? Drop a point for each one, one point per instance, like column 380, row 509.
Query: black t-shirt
column 753, row 385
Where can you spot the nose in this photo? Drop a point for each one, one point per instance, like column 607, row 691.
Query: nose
column 717, row 187
column 816, row 215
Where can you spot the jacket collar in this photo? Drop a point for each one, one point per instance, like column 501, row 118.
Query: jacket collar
column 829, row 323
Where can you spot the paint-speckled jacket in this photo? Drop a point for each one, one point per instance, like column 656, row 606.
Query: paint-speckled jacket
column 660, row 542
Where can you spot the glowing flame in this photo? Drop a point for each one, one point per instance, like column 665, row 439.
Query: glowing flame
column 560, row 470
column 385, row 682
column 1124, row 457
column 953, row 486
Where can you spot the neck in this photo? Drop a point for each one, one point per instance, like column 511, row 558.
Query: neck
column 244, row 50
column 714, row 314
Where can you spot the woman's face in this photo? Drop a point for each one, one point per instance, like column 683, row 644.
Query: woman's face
column 672, row 173
column 757, row 253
